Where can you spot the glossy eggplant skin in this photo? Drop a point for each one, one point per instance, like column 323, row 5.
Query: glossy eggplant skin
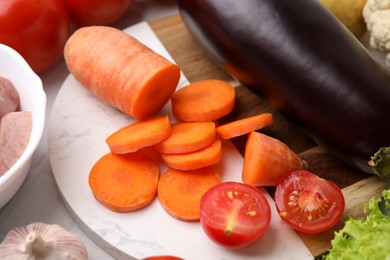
column 308, row 66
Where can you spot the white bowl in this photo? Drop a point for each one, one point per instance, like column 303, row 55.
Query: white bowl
column 32, row 98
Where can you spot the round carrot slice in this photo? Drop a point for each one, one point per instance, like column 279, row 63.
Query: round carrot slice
column 124, row 182
column 187, row 137
column 140, row 134
column 205, row 100
column 244, row 125
column 179, row 192
column 210, row 155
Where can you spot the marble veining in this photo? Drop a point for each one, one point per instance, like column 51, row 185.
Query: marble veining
column 78, row 127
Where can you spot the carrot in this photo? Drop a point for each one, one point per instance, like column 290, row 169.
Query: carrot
column 267, row 160
column 124, row 182
column 179, row 192
column 244, row 126
column 140, row 134
column 187, row 137
column 205, row 100
column 210, row 155
column 120, row 70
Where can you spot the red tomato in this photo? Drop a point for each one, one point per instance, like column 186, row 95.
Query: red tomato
column 234, row 215
column 96, row 12
column 163, row 257
column 38, row 30
column 309, row 203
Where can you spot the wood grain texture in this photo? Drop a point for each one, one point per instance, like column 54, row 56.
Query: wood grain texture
column 196, row 64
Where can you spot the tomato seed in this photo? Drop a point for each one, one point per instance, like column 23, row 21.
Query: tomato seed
column 252, row 213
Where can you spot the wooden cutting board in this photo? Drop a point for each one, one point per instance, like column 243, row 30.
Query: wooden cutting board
column 357, row 186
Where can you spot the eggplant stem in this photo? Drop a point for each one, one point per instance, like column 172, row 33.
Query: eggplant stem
column 34, row 245
column 380, row 162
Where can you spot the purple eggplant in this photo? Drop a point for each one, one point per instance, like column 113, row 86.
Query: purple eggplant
column 307, row 65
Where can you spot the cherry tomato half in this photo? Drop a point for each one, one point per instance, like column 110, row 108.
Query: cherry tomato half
column 308, row 203
column 38, row 30
column 163, row 257
column 234, row 215
column 96, row 12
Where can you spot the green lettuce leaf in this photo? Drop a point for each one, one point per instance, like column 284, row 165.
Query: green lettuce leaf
column 364, row 238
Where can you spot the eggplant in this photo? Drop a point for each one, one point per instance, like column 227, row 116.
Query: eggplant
column 308, row 66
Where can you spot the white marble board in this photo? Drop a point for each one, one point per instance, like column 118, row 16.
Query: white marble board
column 78, row 127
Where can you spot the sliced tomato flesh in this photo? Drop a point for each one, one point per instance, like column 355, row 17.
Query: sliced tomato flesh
column 234, row 215
column 308, row 203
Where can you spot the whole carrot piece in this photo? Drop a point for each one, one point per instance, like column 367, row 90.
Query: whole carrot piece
column 120, row 70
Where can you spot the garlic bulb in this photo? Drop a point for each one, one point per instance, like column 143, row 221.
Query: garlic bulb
column 41, row 241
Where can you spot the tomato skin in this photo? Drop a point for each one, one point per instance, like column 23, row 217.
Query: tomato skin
column 308, row 203
column 163, row 257
column 96, row 12
column 38, row 30
column 234, row 215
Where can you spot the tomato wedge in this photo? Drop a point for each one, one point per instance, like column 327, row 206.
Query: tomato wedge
column 308, row 203
column 234, row 215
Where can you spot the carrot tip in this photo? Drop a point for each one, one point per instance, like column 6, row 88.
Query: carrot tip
column 267, row 160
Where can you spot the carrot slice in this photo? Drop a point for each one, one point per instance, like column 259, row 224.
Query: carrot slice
column 268, row 160
column 140, row 134
column 120, row 70
column 124, row 182
column 205, row 100
column 244, row 126
column 179, row 192
column 210, row 155
column 187, row 137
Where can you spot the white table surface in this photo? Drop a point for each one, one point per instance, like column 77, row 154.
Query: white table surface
column 38, row 199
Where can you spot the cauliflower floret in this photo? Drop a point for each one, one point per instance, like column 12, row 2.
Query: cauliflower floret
column 372, row 6
column 379, row 23
column 376, row 14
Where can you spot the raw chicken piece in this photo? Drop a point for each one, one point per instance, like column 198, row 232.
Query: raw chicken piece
column 15, row 131
column 9, row 97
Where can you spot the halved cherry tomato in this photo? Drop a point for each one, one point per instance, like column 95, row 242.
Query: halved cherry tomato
column 234, row 215
column 36, row 29
column 308, row 203
column 96, row 12
column 163, row 257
